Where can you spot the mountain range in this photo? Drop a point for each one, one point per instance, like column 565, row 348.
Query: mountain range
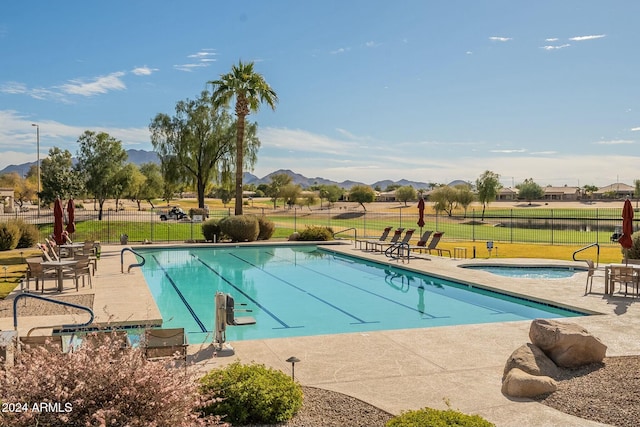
column 141, row 156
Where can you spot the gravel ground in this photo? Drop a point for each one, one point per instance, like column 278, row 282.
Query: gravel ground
column 35, row 307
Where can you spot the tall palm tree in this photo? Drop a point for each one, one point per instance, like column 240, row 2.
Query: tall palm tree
column 250, row 90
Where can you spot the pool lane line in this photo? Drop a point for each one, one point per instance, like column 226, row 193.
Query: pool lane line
column 335, row 307
column 181, row 296
column 273, row 316
column 422, row 313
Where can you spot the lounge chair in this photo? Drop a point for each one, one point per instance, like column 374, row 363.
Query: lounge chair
column 394, row 239
column 433, row 244
column 382, row 238
column 422, row 243
column 163, row 343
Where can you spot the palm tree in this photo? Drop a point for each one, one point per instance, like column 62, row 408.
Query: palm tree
column 250, row 90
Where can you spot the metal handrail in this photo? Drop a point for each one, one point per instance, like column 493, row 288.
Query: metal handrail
column 68, row 304
column 140, row 264
column 597, row 245
column 355, row 232
column 399, row 248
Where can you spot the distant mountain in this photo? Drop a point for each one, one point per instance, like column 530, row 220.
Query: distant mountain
column 137, row 157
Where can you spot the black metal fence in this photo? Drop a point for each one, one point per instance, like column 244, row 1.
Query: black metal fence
column 545, row 226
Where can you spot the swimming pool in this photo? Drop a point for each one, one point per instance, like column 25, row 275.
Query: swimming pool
column 305, row 290
column 527, row 272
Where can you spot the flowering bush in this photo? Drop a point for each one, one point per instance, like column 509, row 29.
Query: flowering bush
column 100, row 384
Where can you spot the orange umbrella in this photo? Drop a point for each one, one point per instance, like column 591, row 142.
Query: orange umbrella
column 627, row 227
column 58, row 221
column 71, row 212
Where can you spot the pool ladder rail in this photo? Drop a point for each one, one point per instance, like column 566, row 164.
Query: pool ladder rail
column 54, row 301
column 140, row 264
column 597, row 245
column 398, row 251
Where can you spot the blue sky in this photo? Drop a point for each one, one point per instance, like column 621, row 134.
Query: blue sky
column 423, row 90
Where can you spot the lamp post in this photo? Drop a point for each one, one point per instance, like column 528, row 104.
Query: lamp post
column 38, row 161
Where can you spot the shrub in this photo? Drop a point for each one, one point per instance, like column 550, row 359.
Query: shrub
column 251, row 394
column 634, row 251
column 437, row 418
column 9, row 236
column 240, row 228
column 267, row 228
column 29, row 234
column 198, row 211
column 211, row 229
column 316, row 233
column 98, row 384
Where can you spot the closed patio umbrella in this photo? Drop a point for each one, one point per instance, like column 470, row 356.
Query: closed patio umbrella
column 58, row 221
column 627, row 228
column 421, row 214
column 71, row 213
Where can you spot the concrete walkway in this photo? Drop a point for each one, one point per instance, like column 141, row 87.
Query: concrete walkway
column 403, row 369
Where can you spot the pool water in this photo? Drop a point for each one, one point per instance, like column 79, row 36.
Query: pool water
column 524, row 272
column 303, row 290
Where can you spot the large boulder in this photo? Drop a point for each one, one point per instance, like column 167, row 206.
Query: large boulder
column 518, row 383
column 569, row 345
column 532, row 360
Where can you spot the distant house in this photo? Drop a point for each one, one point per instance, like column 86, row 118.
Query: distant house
column 614, row 191
column 385, row 196
column 507, row 193
column 566, row 193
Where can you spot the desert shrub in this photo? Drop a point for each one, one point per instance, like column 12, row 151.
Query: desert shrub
column 210, row 229
column 9, row 236
column 251, row 394
column 634, row 251
column 240, row 228
column 267, row 228
column 437, row 418
column 314, row 232
column 98, row 384
column 29, row 234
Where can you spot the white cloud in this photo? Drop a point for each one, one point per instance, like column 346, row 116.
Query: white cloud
column 509, row 151
column 614, row 142
column 552, row 39
column 340, row 50
column 204, row 57
column 635, row 129
column 13, row 88
column 469, row 52
column 190, row 67
column 500, row 39
column 98, row 85
column 143, row 71
column 583, row 38
column 550, row 47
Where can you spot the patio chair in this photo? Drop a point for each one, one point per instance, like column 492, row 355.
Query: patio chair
column 433, row 244
column 89, row 249
column 382, row 238
column 394, row 239
column 36, row 271
column 625, row 275
column 82, row 268
column 163, row 343
column 422, row 243
column 591, row 273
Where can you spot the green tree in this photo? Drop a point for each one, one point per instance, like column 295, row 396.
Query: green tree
column 23, row 188
column 488, row 185
column 406, row 193
column 196, row 144
column 331, row 193
column 100, row 158
column 636, row 190
column 290, row 193
column 250, row 90
column 125, row 181
column 464, row 196
column 58, row 177
column 362, row 194
column 589, row 190
column 274, row 190
column 444, row 198
column 529, row 190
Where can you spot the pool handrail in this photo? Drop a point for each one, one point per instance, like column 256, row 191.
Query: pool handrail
column 399, row 248
column 597, row 245
column 68, row 304
column 140, row 264
column 355, row 233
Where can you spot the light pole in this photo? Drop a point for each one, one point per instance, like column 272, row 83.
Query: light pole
column 38, row 163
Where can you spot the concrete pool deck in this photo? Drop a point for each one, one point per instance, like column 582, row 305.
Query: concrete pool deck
column 401, row 369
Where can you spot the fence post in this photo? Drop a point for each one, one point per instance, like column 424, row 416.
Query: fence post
column 152, row 213
column 511, row 225
column 295, row 219
column 552, row 226
column 473, row 225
